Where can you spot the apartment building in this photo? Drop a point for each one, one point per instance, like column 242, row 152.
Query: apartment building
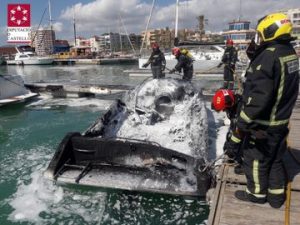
column 164, row 37
column 240, row 32
column 43, row 41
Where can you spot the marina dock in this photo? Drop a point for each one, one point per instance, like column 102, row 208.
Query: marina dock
column 76, row 90
column 103, row 61
column 227, row 210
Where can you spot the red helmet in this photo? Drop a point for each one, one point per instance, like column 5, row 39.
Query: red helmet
column 223, row 99
column 155, row 45
column 229, row 42
column 176, row 51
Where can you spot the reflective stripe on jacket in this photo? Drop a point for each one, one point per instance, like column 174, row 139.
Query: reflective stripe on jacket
column 230, row 56
column 271, row 87
column 157, row 58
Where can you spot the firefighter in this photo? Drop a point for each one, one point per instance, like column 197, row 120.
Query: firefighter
column 229, row 59
column 184, row 62
column 230, row 102
column 157, row 61
column 270, row 92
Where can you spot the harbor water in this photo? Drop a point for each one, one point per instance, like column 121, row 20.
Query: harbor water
column 29, row 136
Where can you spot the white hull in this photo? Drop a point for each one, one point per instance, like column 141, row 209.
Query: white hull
column 39, row 61
column 199, row 65
column 205, row 58
column 13, row 90
column 17, row 99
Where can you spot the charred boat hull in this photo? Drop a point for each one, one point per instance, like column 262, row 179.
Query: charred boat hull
column 128, row 165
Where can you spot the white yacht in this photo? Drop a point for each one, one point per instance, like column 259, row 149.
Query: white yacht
column 206, row 57
column 13, row 90
column 29, row 58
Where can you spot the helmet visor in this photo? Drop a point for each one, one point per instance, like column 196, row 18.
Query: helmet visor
column 258, row 39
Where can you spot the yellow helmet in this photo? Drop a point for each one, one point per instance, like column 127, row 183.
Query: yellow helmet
column 274, row 25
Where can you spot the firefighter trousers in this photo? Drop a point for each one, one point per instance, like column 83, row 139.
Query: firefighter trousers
column 228, row 77
column 266, row 176
column 157, row 72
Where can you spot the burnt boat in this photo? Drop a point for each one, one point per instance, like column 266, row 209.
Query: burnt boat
column 155, row 140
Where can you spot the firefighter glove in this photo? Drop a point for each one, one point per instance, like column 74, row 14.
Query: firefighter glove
column 172, row 71
column 231, row 149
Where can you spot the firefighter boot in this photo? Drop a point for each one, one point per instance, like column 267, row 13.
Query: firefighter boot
column 276, row 200
column 244, row 196
column 239, row 170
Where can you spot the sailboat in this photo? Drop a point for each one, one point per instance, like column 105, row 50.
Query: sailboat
column 205, row 56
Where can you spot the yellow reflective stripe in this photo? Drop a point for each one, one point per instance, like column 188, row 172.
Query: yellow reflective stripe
column 272, row 123
column 235, row 139
column 255, row 176
column 249, row 100
column 256, row 195
column 271, row 49
column 258, row 67
column 245, row 117
column 280, row 90
column 276, row 191
column 288, row 58
column 263, row 122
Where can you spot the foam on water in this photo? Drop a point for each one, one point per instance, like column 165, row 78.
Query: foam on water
column 31, row 199
column 46, row 102
column 40, row 201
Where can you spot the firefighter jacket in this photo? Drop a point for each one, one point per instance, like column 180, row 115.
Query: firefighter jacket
column 157, row 58
column 184, row 62
column 230, row 56
column 271, row 87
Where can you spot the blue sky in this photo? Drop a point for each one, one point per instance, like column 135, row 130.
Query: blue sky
column 99, row 16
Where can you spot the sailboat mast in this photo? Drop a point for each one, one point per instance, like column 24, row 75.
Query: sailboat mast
column 145, row 36
column 121, row 45
column 50, row 16
column 74, row 26
column 127, row 35
column 240, row 16
column 176, row 19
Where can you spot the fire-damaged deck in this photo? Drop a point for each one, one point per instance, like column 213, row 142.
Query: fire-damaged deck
column 227, row 210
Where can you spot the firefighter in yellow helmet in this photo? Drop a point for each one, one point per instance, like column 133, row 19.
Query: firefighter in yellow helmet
column 270, row 92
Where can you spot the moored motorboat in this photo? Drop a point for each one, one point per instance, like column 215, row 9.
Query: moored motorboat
column 12, row 90
column 26, row 56
column 154, row 141
column 29, row 58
